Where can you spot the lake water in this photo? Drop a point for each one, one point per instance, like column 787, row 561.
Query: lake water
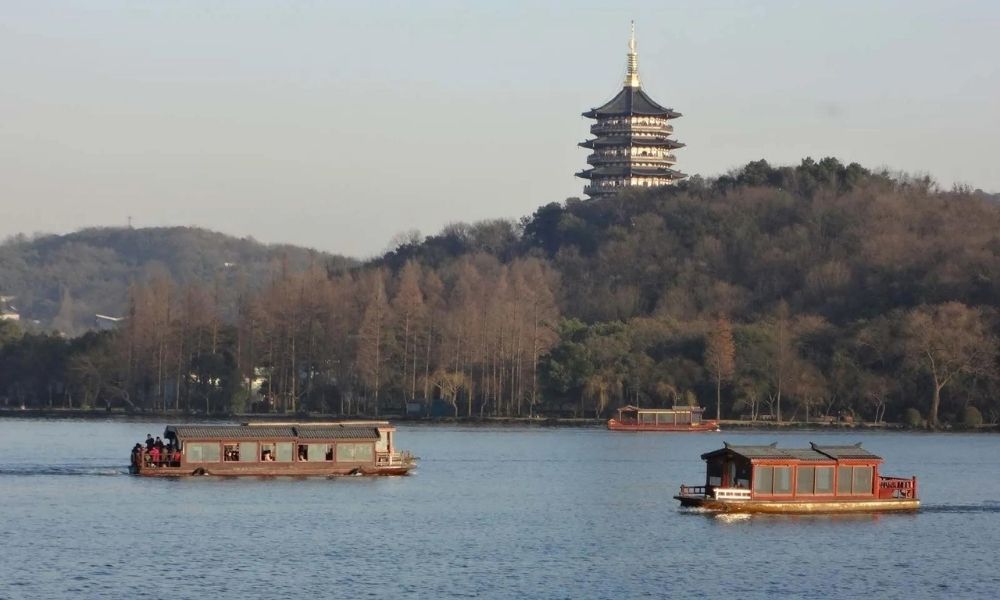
column 489, row 513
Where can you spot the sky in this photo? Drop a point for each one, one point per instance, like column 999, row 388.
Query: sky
column 339, row 125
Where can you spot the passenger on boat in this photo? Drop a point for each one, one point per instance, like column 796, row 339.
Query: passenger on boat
column 159, row 444
column 149, row 442
column 154, row 455
column 136, row 455
column 267, row 456
column 175, row 458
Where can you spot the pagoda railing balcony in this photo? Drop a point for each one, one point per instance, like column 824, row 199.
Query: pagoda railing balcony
column 603, row 159
column 597, row 189
column 603, row 128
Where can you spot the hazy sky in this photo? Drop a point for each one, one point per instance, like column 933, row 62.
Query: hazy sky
column 339, row 124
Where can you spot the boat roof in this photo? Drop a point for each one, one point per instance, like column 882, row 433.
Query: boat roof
column 815, row 452
column 360, row 431
column 631, row 408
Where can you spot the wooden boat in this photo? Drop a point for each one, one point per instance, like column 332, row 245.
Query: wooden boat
column 818, row 479
column 269, row 449
column 678, row 418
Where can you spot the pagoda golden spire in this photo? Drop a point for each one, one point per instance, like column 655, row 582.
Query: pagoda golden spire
column 632, row 72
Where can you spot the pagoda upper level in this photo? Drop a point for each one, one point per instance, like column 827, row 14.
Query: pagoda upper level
column 632, row 145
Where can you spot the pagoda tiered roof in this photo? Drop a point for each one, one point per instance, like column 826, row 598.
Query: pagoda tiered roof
column 631, row 101
column 628, row 170
column 631, row 141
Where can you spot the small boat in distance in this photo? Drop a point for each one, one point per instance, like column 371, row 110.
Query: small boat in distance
column 678, row 418
column 818, row 479
column 270, row 449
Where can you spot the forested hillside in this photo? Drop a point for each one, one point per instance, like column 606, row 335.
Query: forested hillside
column 63, row 280
column 779, row 293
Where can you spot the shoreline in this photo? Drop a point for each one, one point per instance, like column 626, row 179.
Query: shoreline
column 581, row 422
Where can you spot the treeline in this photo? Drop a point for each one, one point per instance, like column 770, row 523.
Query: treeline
column 362, row 342
column 785, row 293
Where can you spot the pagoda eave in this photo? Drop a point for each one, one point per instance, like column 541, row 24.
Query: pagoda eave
column 630, row 172
column 633, row 141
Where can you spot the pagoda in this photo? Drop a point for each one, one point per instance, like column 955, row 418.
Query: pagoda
column 632, row 147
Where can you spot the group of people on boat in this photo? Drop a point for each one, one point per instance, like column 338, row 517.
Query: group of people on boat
column 155, row 453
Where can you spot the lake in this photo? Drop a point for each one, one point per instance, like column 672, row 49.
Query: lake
column 489, row 513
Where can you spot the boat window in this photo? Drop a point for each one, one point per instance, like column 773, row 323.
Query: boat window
column 320, row 452
column 354, row 452
column 248, row 451
column 782, row 480
column 843, row 480
column 714, row 469
column 283, row 452
column 230, row 452
column 805, row 479
column 683, row 417
column 665, row 418
column 267, row 452
column 862, row 480
column 763, row 477
column 824, row 480
column 202, row 452
column 647, row 417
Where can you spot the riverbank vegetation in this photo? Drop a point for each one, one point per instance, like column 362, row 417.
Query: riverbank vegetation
column 795, row 293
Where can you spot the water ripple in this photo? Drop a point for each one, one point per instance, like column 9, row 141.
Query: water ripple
column 78, row 470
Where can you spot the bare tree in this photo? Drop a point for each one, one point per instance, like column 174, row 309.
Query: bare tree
column 945, row 341
column 371, row 335
column 720, row 357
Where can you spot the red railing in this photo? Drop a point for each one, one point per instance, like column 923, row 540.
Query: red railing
column 897, row 487
column 161, row 460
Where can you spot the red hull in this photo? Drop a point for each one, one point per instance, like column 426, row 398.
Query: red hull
column 616, row 425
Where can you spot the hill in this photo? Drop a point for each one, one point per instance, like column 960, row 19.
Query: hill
column 830, row 239
column 62, row 281
column 785, row 292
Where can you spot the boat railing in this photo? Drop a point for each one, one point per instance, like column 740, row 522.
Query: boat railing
column 392, row 459
column 160, row 461
column 692, row 490
column 721, row 493
column 897, row 487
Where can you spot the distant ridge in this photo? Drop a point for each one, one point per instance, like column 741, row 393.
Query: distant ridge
column 63, row 281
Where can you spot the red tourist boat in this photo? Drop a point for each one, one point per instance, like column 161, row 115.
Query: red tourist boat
column 678, row 418
column 818, row 479
column 268, row 449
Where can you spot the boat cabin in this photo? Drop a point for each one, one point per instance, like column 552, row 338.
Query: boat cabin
column 678, row 418
column 678, row 415
column 816, row 473
column 365, row 447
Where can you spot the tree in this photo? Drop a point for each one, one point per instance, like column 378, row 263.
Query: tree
column 408, row 310
column 602, row 387
column 946, row 341
column 720, row 357
column 371, row 336
column 451, row 383
column 782, row 353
